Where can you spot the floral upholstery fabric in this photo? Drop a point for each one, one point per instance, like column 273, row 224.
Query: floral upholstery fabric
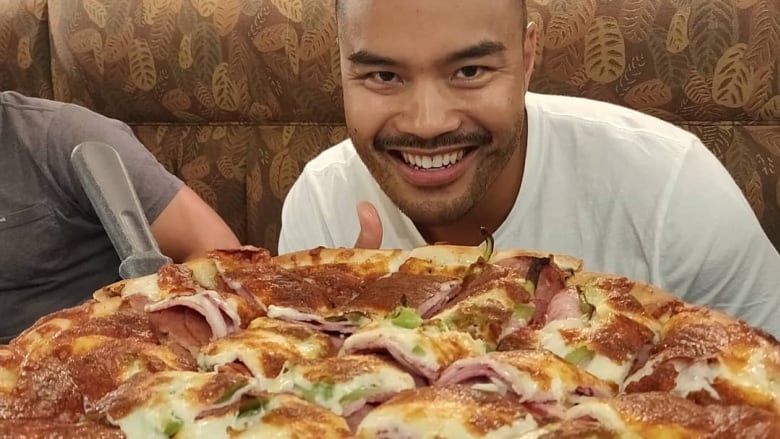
column 709, row 66
column 235, row 96
column 24, row 48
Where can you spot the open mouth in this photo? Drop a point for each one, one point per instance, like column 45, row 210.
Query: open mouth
column 432, row 161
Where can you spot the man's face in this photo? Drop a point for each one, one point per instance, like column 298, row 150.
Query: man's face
column 434, row 97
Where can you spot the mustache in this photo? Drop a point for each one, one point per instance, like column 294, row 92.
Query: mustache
column 480, row 137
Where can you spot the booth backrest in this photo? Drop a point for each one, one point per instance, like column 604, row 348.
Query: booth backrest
column 235, row 96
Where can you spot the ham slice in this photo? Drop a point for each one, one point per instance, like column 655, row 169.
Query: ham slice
column 548, row 280
column 436, row 303
column 563, row 305
column 549, row 284
column 528, row 267
column 533, row 376
column 181, row 326
column 340, row 324
column 209, row 305
column 356, row 417
column 193, row 320
column 423, row 351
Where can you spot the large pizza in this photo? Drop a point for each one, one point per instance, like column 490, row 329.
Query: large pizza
column 435, row 342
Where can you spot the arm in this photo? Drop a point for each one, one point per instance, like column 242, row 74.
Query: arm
column 188, row 228
column 183, row 224
column 713, row 250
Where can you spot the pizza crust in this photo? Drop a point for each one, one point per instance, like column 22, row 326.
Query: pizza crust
column 561, row 314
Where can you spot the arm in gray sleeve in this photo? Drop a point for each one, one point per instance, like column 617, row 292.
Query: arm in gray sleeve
column 73, row 125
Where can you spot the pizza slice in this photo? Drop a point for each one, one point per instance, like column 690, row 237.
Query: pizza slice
column 491, row 301
column 10, row 361
column 657, row 414
column 99, row 364
column 574, row 429
column 113, row 317
column 214, row 405
column 710, row 358
column 580, row 322
column 292, row 293
column 46, row 429
column 443, row 260
column 349, row 385
column 187, row 303
column 422, row 348
column 546, row 383
column 78, row 373
column 455, row 411
column 42, row 389
column 262, row 349
column 363, row 286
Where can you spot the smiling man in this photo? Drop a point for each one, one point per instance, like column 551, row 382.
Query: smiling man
column 445, row 139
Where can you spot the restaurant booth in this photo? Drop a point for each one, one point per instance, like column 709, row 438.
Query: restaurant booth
column 235, row 96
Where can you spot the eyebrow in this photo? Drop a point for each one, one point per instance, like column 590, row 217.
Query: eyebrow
column 482, row 49
column 485, row 48
column 371, row 59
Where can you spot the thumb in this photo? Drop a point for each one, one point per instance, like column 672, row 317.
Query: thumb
column 370, row 226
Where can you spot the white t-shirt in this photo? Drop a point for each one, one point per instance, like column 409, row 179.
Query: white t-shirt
column 627, row 193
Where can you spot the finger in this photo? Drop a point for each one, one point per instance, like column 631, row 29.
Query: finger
column 370, row 226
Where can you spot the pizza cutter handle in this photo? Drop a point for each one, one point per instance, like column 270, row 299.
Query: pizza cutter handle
column 107, row 185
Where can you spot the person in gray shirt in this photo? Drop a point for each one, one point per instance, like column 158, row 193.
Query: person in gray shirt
column 54, row 252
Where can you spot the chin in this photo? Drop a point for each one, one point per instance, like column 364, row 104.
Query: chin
column 431, row 211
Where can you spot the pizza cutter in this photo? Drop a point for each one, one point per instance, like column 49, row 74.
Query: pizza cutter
column 107, row 184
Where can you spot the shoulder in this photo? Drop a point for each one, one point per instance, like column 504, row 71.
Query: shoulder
column 12, row 101
column 26, row 119
column 341, row 157
column 338, row 164
column 610, row 124
column 37, row 110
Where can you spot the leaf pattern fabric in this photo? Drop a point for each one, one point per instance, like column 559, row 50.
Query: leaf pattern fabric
column 24, row 48
column 235, row 96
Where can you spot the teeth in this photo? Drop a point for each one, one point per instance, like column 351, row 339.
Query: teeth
column 434, row 161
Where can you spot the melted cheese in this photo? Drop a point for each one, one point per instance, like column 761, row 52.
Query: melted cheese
column 204, row 271
column 606, row 369
column 8, row 379
column 694, row 377
column 637, row 376
column 335, row 396
column 264, row 426
column 754, row 378
column 519, row 382
column 169, row 402
column 600, row 411
column 88, row 343
column 425, row 347
column 146, row 286
column 409, row 421
column 106, row 307
column 251, row 345
column 602, row 367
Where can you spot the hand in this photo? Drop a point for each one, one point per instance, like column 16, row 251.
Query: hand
column 370, row 226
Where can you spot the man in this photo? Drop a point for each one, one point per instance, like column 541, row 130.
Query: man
column 444, row 139
column 55, row 252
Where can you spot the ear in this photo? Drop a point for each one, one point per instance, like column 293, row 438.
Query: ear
column 529, row 51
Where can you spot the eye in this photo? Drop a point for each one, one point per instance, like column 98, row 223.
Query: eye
column 383, row 77
column 469, row 72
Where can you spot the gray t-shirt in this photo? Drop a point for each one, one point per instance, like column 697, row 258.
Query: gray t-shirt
column 54, row 252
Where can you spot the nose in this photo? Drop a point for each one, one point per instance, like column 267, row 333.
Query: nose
column 430, row 111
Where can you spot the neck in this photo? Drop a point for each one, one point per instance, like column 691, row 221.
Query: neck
column 491, row 211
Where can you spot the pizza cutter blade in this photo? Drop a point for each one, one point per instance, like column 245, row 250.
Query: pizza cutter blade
column 107, row 184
